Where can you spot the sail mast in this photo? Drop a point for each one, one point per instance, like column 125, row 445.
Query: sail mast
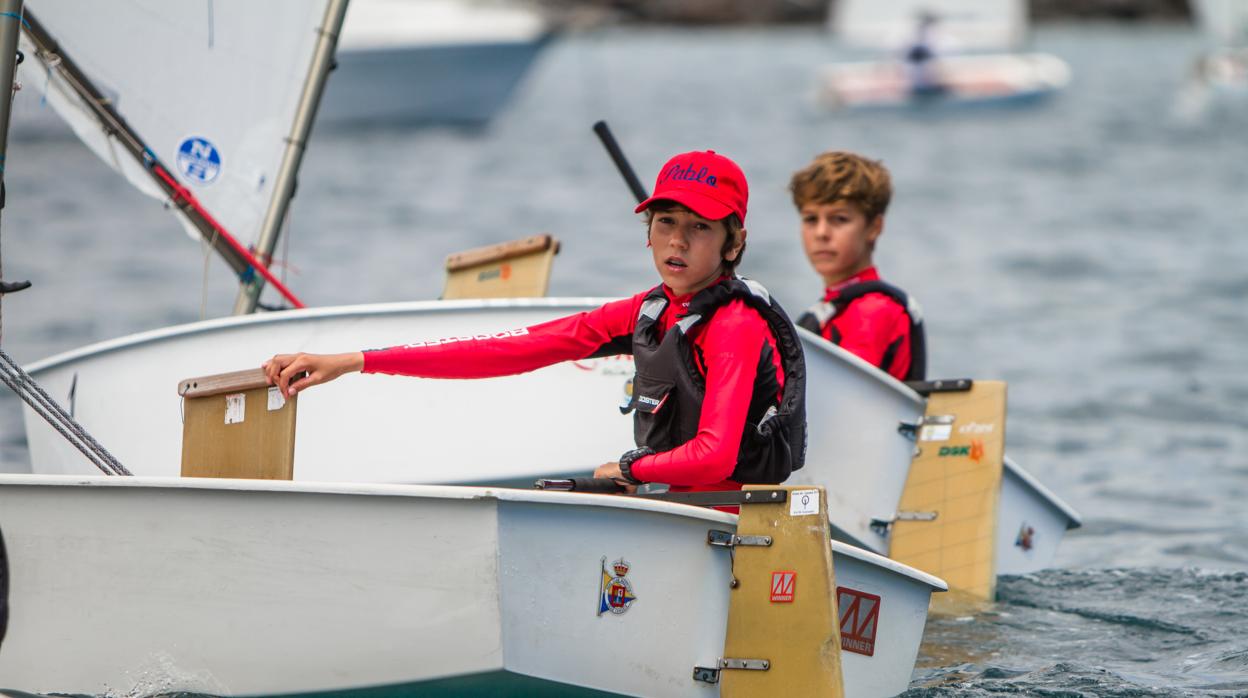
column 11, row 374
column 235, row 254
column 10, row 27
column 296, row 143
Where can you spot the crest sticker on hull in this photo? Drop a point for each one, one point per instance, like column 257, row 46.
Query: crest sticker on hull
column 1026, row 537
column 199, row 160
column 615, row 592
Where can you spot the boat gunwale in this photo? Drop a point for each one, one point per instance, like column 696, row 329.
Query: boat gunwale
column 862, row 365
column 404, row 307
column 887, row 563
column 445, row 492
column 1073, row 520
column 450, row 492
column 190, row 329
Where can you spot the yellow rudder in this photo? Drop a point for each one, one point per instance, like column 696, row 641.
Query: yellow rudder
column 783, row 604
column 955, row 476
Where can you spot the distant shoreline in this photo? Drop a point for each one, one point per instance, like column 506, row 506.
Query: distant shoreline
column 808, row 11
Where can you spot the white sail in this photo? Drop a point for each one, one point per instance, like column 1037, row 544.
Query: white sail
column 1225, row 21
column 186, row 77
column 962, row 25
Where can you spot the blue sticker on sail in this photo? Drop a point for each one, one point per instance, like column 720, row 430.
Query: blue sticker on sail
column 199, row 160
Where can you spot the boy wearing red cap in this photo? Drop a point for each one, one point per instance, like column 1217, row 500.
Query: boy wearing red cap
column 719, row 394
column 841, row 198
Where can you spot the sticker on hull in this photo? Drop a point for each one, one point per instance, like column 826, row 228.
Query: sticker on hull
column 1026, row 537
column 615, row 592
column 860, row 616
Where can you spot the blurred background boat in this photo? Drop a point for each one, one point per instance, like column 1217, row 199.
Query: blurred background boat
column 405, row 62
column 939, row 55
column 1219, row 74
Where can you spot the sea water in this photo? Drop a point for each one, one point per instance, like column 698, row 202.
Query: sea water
column 1089, row 250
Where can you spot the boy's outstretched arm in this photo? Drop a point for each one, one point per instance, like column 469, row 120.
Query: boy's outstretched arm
column 320, row 368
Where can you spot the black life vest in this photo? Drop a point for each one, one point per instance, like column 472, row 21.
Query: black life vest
column 821, row 313
column 669, row 388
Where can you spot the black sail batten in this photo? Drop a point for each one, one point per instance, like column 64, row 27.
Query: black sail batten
column 4, row 589
column 116, row 126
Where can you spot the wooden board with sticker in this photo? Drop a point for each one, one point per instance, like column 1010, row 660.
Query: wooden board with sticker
column 514, row 269
column 783, row 608
column 955, row 475
column 236, row 425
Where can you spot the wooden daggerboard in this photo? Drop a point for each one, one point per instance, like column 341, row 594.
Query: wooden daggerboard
column 515, row 269
column 236, row 425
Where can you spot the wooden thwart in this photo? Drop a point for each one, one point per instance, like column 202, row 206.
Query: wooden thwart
column 236, row 425
column 783, row 608
column 514, row 269
column 957, row 476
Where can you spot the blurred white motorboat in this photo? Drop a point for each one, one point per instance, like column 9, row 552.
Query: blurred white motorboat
column 406, row 62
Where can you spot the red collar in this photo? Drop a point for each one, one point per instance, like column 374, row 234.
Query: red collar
column 682, row 301
column 868, row 274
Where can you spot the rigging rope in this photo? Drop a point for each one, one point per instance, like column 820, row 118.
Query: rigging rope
column 29, row 391
column 183, row 195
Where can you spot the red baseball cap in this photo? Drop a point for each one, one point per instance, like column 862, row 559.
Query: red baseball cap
column 706, row 182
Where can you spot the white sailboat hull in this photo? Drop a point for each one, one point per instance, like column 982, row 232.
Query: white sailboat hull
column 404, row 63
column 496, row 431
column 904, row 594
column 225, row 586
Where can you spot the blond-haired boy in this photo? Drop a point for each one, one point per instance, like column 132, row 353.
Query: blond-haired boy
column 841, row 198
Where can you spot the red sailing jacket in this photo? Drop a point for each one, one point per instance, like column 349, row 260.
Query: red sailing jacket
column 874, row 328
column 729, row 345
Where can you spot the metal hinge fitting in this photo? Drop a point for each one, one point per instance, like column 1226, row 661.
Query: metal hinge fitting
column 726, row 539
column 883, row 526
column 711, row 674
